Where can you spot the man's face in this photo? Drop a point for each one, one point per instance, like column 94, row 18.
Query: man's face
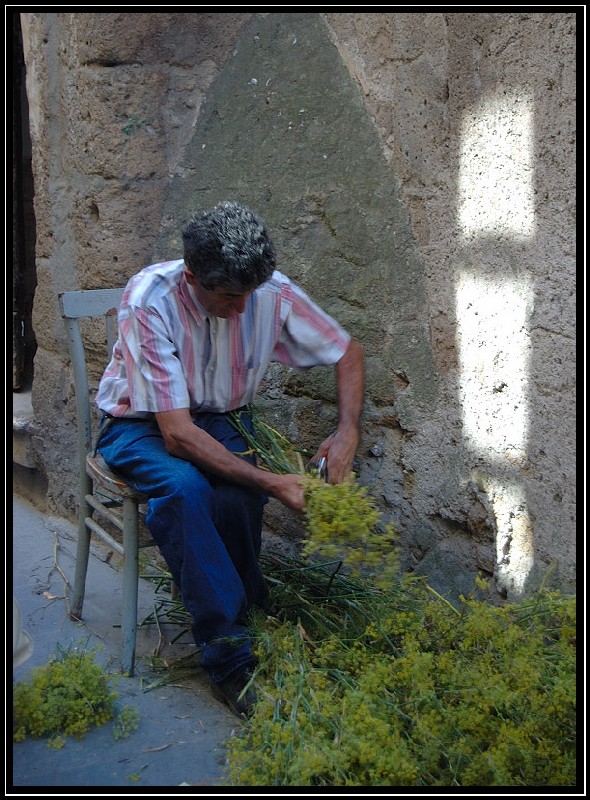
column 220, row 302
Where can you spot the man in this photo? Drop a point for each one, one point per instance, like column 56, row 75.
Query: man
column 195, row 338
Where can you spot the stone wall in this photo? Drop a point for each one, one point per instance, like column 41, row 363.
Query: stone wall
column 416, row 171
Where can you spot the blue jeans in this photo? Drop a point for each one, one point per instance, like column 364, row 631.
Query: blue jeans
column 208, row 531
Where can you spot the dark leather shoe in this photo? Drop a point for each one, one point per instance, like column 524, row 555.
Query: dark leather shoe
column 234, row 693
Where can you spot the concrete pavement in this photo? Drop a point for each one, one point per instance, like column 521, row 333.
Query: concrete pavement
column 182, row 730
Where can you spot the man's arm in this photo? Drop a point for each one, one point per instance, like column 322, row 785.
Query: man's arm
column 186, row 440
column 340, row 448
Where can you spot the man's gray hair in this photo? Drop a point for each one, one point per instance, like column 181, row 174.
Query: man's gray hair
column 228, row 246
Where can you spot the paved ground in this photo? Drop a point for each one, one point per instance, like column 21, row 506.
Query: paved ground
column 182, row 730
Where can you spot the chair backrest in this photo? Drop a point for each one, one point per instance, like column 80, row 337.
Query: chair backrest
column 75, row 306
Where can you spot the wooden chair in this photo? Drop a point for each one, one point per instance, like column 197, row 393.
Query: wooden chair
column 104, row 496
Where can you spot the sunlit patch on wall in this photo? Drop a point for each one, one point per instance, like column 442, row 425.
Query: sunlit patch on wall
column 493, row 344
column 514, row 541
column 496, row 170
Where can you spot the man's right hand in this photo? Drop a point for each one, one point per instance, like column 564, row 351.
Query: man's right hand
column 289, row 490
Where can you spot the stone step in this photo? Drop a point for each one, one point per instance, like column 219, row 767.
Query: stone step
column 22, row 422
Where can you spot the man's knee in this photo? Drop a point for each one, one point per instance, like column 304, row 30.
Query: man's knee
column 185, row 482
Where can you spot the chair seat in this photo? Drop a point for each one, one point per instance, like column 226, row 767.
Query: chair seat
column 97, row 469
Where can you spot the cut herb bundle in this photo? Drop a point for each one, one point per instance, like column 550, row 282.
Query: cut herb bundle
column 342, row 522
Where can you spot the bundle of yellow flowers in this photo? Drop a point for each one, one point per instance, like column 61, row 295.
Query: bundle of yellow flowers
column 342, row 521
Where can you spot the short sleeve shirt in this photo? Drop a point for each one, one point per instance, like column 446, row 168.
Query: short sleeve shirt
column 170, row 354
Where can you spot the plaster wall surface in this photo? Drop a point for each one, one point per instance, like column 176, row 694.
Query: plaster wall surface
column 417, row 172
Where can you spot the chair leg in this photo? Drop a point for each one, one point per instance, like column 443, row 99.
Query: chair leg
column 81, row 567
column 130, row 584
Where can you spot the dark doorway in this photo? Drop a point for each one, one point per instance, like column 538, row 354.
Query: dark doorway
column 24, row 275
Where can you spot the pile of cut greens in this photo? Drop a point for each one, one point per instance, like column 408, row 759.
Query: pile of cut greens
column 369, row 678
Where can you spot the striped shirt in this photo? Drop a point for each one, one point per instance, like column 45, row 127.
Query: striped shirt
column 170, row 354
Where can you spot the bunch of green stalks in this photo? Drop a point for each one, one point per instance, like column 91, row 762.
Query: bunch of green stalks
column 319, row 596
column 273, row 450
